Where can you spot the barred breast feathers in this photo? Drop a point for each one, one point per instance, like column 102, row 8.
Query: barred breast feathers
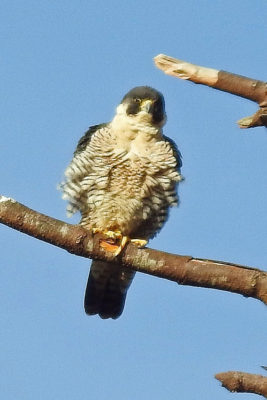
column 126, row 170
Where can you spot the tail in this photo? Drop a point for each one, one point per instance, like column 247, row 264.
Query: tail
column 106, row 289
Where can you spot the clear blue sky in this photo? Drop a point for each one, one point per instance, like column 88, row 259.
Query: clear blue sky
column 64, row 66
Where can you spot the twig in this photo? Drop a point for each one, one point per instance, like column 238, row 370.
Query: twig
column 185, row 270
column 236, row 381
column 251, row 89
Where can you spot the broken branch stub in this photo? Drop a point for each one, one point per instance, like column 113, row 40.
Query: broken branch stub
column 251, row 89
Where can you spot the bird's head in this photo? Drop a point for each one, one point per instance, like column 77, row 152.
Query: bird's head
column 145, row 105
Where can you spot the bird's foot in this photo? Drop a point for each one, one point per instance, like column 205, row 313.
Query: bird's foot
column 116, row 241
column 140, row 243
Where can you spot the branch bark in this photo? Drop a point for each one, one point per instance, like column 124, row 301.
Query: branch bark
column 185, row 270
column 241, row 382
column 238, row 85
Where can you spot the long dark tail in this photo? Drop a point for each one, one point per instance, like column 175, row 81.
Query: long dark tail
column 106, row 289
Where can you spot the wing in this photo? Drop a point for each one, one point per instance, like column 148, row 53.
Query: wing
column 85, row 140
column 163, row 194
column 175, row 150
column 78, row 169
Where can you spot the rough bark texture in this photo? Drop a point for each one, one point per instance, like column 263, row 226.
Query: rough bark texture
column 238, row 85
column 236, row 381
column 185, row 270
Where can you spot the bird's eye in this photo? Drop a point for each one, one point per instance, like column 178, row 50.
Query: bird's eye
column 137, row 100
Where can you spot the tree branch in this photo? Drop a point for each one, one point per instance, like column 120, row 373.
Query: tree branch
column 238, row 85
column 241, row 382
column 185, row 270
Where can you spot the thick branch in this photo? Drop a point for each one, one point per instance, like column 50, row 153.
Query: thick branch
column 249, row 88
column 185, row 270
column 242, row 382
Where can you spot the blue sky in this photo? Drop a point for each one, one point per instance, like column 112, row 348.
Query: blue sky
column 64, row 66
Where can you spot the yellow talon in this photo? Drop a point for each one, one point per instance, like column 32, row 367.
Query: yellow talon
column 123, row 242
column 139, row 242
column 116, row 241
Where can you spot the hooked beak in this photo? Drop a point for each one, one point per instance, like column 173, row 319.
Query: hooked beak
column 146, row 105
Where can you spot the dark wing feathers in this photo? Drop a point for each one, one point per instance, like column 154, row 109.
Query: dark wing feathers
column 85, row 139
column 175, row 150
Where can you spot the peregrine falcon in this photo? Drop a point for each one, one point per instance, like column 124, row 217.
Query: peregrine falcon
column 123, row 179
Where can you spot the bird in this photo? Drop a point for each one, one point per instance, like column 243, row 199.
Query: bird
column 123, row 179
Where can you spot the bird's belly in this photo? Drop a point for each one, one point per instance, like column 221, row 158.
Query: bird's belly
column 126, row 195
column 120, row 204
column 117, row 213
column 117, row 202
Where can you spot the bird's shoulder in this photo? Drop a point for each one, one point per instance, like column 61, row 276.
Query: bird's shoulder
column 85, row 139
column 175, row 150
